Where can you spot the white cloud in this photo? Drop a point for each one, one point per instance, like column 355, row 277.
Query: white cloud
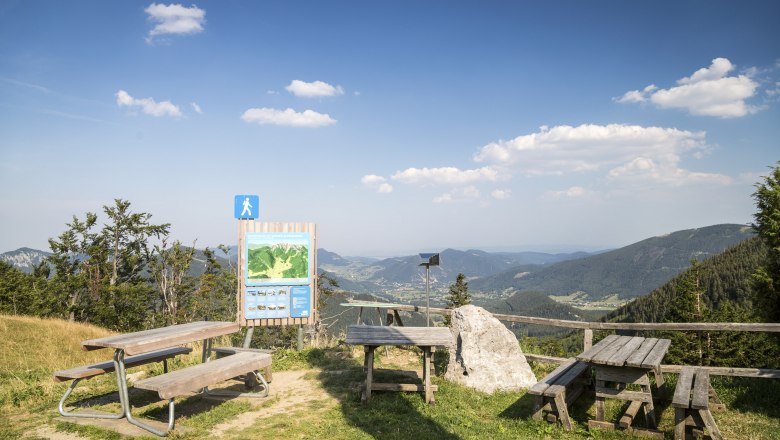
column 175, row 19
column 466, row 194
column 148, row 105
column 501, row 194
column 288, row 117
column 377, row 183
column 197, row 108
column 708, row 92
column 446, row 175
column 621, row 150
column 316, row 89
column 575, row 192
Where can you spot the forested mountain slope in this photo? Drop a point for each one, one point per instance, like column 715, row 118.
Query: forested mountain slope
column 629, row 272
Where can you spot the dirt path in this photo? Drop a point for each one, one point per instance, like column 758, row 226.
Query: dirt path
column 289, row 391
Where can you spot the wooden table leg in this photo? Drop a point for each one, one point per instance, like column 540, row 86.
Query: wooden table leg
column 368, row 367
column 600, row 402
column 649, row 408
column 427, row 375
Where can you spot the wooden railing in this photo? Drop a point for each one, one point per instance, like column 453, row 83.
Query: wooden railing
column 588, row 328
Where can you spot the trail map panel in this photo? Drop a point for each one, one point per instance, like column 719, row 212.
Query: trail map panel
column 277, row 258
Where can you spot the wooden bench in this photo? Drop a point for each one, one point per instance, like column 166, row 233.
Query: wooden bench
column 78, row 374
column 692, row 405
column 558, row 390
column 200, row 376
column 227, row 351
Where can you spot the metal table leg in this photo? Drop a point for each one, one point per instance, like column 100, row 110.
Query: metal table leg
column 124, row 398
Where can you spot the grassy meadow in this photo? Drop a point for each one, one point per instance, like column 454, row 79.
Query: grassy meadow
column 314, row 396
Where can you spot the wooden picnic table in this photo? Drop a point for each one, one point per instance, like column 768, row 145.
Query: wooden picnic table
column 155, row 339
column 373, row 336
column 620, row 362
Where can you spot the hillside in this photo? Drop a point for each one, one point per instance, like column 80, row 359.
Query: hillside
column 24, row 259
column 725, row 278
column 629, row 272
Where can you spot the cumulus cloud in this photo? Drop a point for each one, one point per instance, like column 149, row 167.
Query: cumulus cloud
column 148, row 105
column 468, row 193
column 620, row 150
column 287, row 117
column 501, row 194
column 575, row 192
column 174, row 19
column 377, row 183
column 445, row 175
column 316, row 89
column 707, row 92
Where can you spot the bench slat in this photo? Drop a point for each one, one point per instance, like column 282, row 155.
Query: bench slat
column 87, row 371
column 682, row 392
column 386, row 335
column 566, row 379
column 196, row 377
column 701, row 386
column 540, row 387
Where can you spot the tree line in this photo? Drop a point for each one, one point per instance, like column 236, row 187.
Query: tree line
column 125, row 275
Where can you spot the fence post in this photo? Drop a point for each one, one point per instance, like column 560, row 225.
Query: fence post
column 588, row 339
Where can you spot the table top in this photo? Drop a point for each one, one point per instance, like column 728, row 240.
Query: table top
column 379, row 305
column 388, row 335
column 627, row 351
column 164, row 337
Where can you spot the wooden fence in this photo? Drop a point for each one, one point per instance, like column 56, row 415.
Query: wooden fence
column 588, row 328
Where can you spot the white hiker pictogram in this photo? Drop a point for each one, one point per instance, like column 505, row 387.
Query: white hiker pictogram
column 246, row 210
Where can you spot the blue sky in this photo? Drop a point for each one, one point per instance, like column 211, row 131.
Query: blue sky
column 396, row 126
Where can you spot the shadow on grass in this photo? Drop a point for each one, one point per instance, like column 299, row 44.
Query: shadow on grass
column 389, row 415
column 749, row 394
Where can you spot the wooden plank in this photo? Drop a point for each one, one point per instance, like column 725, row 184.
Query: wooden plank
column 385, row 335
column 108, row 366
column 620, row 356
column 630, row 414
column 164, row 337
column 656, row 355
column 196, row 377
column 612, row 393
column 639, row 355
column 607, row 352
column 709, row 422
column 560, row 383
column 701, row 395
column 627, row 375
column 542, row 385
column 682, row 393
column 587, row 355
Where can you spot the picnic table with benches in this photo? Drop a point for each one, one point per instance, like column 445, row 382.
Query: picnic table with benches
column 620, row 362
column 159, row 345
column 373, row 336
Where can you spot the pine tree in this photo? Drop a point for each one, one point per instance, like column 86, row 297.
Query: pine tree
column 767, row 224
column 458, row 296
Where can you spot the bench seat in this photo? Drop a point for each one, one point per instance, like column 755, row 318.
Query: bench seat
column 692, row 405
column 200, row 376
column 227, row 351
column 558, row 390
column 88, row 371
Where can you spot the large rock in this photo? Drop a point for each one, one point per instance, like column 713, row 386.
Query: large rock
column 485, row 355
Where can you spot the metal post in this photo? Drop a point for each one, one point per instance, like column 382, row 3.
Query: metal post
column 300, row 337
column 427, row 295
column 248, row 338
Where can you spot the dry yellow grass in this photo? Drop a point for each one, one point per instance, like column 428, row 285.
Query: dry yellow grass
column 28, row 344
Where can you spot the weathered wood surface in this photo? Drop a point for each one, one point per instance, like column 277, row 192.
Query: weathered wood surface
column 656, row 355
column 196, row 377
column 639, row 355
column 603, row 356
column 386, row 335
column 621, row 356
column 540, row 387
column 590, row 353
column 404, row 387
column 227, row 351
column 92, row 370
column 626, row 375
column 682, row 393
column 164, row 337
column 561, row 383
column 701, row 391
column 715, row 326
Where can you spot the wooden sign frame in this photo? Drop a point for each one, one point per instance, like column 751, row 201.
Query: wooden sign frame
column 246, row 226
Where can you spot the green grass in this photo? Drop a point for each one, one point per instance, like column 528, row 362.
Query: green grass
column 336, row 411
